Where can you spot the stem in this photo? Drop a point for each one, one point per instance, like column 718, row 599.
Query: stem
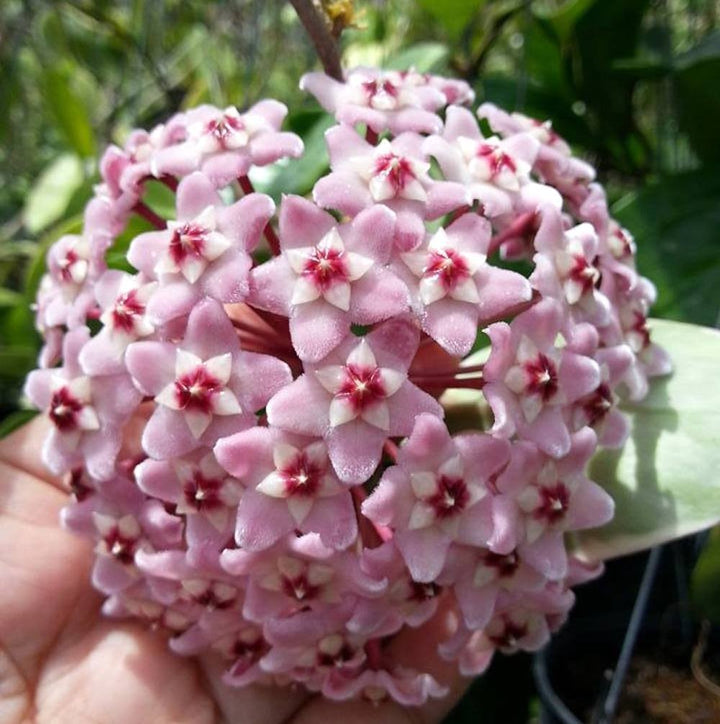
column 317, row 28
column 391, row 450
column 170, row 181
column 519, row 227
column 142, row 209
column 374, row 654
column 371, row 136
column 246, row 185
column 432, row 383
column 459, row 212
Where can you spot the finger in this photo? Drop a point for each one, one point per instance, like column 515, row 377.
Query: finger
column 416, row 648
column 43, row 568
column 22, row 450
column 254, row 704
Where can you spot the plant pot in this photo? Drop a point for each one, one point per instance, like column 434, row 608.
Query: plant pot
column 620, row 626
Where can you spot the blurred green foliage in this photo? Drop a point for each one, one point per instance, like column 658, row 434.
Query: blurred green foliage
column 631, row 84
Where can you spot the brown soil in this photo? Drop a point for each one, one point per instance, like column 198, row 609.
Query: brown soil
column 661, row 694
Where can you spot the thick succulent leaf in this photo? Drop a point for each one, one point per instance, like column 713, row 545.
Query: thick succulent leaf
column 705, row 581
column 666, row 480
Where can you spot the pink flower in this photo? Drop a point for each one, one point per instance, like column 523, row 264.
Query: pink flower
column 205, row 253
column 205, row 388
column 291, row 486
column 529, row 379
column 329, row 276
column 87, row 413
column 454, row 288
column 356, row 398
column 380, row 100
column 225, row 144
column 432, row 497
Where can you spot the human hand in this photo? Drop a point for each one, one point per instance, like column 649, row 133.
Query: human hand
column 61, row 662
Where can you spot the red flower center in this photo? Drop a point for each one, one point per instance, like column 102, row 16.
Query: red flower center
column 362, row 386
column 512, row 632
column 383, row 86
column 338, row 659
column 496, row 158
column 187, row 240
column 299, row 588
column 127, row 308
column 448, row 266
column 326, row 267
column 203, row 493
column 396, row 169
column 420, row 592
column 302, row 477
column 598, row 404
column 64, row 409
column 195, row 390
column 223, row 128
column 65, row 265
column 554, row 503
column 120, row 546
column 584, row 274
column 450, row 498
column 542, row 377
column 504, row 565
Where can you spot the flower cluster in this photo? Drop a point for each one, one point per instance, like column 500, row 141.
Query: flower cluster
column 251, row 421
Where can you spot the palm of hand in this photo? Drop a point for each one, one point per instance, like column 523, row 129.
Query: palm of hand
column 60, row 661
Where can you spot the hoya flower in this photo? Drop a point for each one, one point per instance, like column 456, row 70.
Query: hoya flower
column 529, row 379
column 225, row 144
column 381, row 100
column 199, row 489
column 290, row 486
column 204, row 253
column 454, row 288
column 299, row 574
column 87, row 414
column 250, row 423
column 479, row 576
column 356, row 398
column 554, row 163
column 567, row 266
column 493, row 170
column 204, row 388
column 329, row 276
column 395, row 173
column 432, row 496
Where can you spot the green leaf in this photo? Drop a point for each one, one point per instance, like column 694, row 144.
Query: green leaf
column 666, row 480
column 160, row 199
column 16, row 362
column 564, row 18
column 675, row 223
column 15, row 420
column 52, row 192
column 696, row 96
column 423, row 57
column 453, row 14
column 69, row 111
column 705, row 581
column 9, row 298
